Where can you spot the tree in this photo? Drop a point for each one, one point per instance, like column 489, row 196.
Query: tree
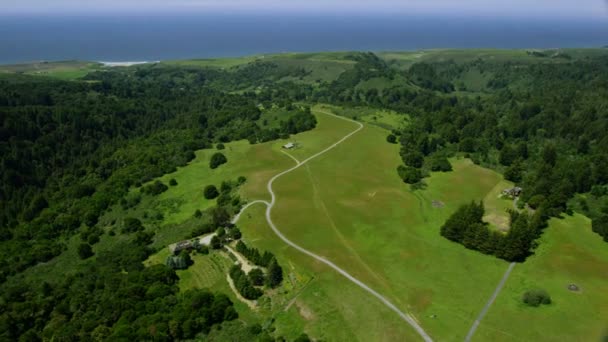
column 440, row 164
column 216, row 243
column 600, row 226
column 132, row 225
column 414, row 159
column 409, row 174
column 256, row 276
column 220, row 146
column 536, row 297
column 85, row 251
column 217, row 159
column 173, row 182
column 210, row 192
column 275, row 274
column 391, row 138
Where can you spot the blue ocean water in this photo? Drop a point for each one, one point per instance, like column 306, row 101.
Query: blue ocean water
column 178, row 36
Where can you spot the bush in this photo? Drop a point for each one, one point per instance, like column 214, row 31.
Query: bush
column 536, row 297
column 536, row 201
column 391, row 138
column 220, row 146
column 441, row 164
column 217, row 159
column 241, row 180
column 132, row 225
column 256, row 276
column 210, row 192
column 85, row 251
column 173, row 182
column 155, row 188
column 409, row 174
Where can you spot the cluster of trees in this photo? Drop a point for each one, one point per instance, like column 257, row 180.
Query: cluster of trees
column 114, row 298
column 466, row 227
column 154, row 189
column 244, row 284
column 253, row 254
column 179, row 262
column 600, row 226
column 274, row 275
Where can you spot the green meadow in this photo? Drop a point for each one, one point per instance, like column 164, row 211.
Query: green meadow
column 349, row 206
column 569, row 253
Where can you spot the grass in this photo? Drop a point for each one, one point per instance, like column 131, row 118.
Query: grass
column 569, row 252
column 384, row 118
column 65, row 70
column 350, row 206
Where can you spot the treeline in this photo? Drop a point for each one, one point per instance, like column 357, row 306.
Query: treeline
column 274, row 275
column 114, row 298
column 466, row 227
column 253, row 255
column 243, row 284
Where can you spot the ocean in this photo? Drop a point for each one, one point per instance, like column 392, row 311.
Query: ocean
column 25, row 38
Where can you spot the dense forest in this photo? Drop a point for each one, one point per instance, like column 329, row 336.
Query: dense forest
column 70, row 150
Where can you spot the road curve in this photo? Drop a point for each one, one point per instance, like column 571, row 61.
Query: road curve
column 485, row 309
column 269, row 206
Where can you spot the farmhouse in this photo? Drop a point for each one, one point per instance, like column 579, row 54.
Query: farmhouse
column 180, row 246
column 289, row 146
column 513, row 192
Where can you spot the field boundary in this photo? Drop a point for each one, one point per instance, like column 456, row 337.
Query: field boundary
column 485, row 309
column 269, row 205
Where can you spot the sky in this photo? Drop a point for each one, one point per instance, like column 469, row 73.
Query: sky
column 513, row 8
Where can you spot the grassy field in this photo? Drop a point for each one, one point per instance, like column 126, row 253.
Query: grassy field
column 569, row 253
column 66, row 70
column 349, row 206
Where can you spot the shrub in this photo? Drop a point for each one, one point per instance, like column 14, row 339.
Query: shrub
column 441, row 164
column 256, row 276
column 536, row 201
column 409, row 174
column 210, row 192
column 155, row 188
column 132, row 225
column 173, row 182
column 391, row 138
column 220, row 146
column 241, row 180
column 85, row 251
column 217, row 159
column 536, row 297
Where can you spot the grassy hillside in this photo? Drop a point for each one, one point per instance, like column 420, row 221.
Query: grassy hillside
column 569, row 253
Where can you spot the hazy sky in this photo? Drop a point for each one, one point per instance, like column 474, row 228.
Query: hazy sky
column 545, row 8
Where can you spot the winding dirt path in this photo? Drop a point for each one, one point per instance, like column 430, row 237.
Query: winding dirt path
column 269, row 205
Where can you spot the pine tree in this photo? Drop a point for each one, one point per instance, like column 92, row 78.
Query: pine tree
column 275, row 274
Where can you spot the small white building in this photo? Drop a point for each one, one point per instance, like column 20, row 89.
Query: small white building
column 289, row 146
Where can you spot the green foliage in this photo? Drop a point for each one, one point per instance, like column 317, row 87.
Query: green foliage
column 536, row 297
column 391, row 138
column 216, row 242
column 155, row 188
column 253, row 255
column 441, row 164
column 132, row 225
column 217, row 159
column 243, row 284
column 256, row 276
column 275, row 274
column 220, row 146
column 173, row 182
column 466, row 226
column 179, row 262
column 210, row 192
column 85, row 251
column 600, row 226
column 409, row 174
